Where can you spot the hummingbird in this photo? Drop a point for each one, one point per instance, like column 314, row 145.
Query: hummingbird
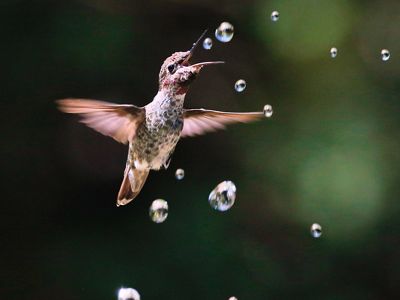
column 152, row 131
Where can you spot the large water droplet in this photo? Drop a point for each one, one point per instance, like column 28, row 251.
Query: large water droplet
column 240, row 85
column 158, row 211
column 316, row 230
column 233, row 298
column 207, row 43
column 275, row 16
column 333, row 52
column 180, row 174
column 268, row 110
column 224, row 33
column 223, row 196
column 385, row 54
column 128, row 294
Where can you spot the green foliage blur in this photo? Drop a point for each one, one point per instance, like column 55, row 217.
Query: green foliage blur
column 329, row 154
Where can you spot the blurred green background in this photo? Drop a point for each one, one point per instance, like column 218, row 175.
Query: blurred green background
column 329, row 154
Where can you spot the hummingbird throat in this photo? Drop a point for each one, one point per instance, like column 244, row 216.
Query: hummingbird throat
column 168, row 99
column 182, row 90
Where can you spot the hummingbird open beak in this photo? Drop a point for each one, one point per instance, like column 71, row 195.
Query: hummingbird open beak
column 198, row 66
column 197, row 42
column 191, row 51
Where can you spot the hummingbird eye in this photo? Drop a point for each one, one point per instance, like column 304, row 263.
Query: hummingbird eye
column 172, row 68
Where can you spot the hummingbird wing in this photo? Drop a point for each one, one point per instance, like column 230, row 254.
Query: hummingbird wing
column 201, row 121
column 118, row 121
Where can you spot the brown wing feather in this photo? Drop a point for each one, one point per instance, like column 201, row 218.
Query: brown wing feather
column 118, row 121
column 201, row 121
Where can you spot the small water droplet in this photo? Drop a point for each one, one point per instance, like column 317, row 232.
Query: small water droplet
column 385, row 54
column 240, row 85
column 268, row 111
column 224, row 33
column 275, row 16
column 180, row 174
column 233, row 298
column 207, row 43
column 223, row 196
column 128, row 294
column 158, row 211
column 333, row 52
column 316, row 230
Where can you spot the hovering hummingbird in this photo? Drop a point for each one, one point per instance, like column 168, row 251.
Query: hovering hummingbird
column 153, row 131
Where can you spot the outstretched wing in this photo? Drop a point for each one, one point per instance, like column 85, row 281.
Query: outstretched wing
column 118, row 121
column 201, row 121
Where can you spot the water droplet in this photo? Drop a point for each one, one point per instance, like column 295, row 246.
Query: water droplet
column 385, row 54
column 268, row 110
column 275, row 16
column 233, row 298
column 240, row 85
column 207, row 43
column 180, row 174
column 333, row 52
column 316, row 230
column 224, row 33
column 128, row 294
column 158, row 211
column 223, row 196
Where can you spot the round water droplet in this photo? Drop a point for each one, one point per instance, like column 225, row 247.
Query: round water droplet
column 224, row 33
column 385, row 54
column 223, row 196
column 275, row 16
column 180, row 174
column 268, row 110
column 316, row 230
column 240, row 85
column 207, row 43
column 333, row 52
column 233, row 298
column 158, row 211
column 128, row 294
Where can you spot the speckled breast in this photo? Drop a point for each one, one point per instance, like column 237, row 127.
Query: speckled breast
column 156, row 138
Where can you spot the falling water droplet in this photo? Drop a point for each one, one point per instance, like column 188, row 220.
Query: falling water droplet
column 385, row 54
column 268, row 110
column 180, row 174
column 275, row 16
column 158, row 211
column 240, row 85
column 316, row 230
column 224, row 33
column 223, row 196
column 333, row 52
column 128, row 294
column 207, row 43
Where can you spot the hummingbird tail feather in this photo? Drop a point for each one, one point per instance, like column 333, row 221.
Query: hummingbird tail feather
column 132, row 184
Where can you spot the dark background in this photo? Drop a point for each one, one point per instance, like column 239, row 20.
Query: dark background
column 329, row 154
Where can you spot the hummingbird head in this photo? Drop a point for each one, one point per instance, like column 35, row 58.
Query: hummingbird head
column 176, row 73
